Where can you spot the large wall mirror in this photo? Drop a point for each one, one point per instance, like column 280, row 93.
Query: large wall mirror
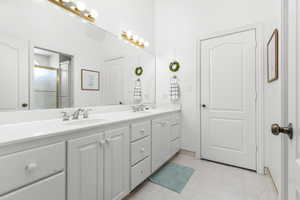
column 53, row 59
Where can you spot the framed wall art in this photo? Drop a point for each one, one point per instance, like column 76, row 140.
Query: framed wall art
column 273, row 57
column 90, row 80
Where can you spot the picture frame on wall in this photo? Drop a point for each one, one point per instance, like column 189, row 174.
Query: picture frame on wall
column 90, row 80
column 273, row 57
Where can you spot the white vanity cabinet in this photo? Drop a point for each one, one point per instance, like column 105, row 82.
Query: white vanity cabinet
column 160, row 142
column 86, row 168
column 98, row 166
column 116, row 170
column 175, row 134
column 166, row 139
column 93, row 163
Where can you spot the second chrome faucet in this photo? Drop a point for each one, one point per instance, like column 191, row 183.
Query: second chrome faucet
column 76, row 114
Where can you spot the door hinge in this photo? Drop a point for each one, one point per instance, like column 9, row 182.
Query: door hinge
column 255, row 96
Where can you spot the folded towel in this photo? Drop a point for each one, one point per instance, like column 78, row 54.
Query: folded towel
column 137, row 91
column 174, row 90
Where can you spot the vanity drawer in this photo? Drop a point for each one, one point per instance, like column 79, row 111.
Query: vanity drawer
column 52, row 188
column 140, row 150
column 140, row 130
column 163, row 121
column 22, row 168
column 140, row 172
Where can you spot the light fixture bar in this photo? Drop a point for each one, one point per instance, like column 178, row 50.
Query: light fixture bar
column 134, row 39
column 74, row 10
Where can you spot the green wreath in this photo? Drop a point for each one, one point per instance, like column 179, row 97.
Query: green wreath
column 138, row 71
column 174, row 66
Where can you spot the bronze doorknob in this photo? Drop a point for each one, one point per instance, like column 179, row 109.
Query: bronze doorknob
column 276, row 130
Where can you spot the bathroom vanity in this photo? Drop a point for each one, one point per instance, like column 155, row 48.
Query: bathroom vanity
column 103, row 157
column 53, row 70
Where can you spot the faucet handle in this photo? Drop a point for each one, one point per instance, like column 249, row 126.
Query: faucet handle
column 86, row 113
column 65, row 116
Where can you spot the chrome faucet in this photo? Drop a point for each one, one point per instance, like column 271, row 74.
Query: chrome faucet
column 76, row 114
column 86, row 113
column 65, row 116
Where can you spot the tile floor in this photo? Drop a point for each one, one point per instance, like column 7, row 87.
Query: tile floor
column 211, row 181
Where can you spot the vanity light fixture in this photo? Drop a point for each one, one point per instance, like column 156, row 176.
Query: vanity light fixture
column 134, row 39
column 78, row 8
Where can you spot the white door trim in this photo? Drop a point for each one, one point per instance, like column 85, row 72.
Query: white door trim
column 259, row 89
column 289, row 73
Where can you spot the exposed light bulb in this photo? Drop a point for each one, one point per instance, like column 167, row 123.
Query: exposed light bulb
column 72, row 5
column 146, row 44
column 80, row 6
column 129, row 34
column 135, row 38
column 141, row 41
column 86, row 13
column 94, row 13
column 66, row 1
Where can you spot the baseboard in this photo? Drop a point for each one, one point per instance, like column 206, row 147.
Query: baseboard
column 268, row 173
column 187, row 153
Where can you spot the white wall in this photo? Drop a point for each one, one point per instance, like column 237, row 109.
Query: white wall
column 180, row 24
column 119, row 15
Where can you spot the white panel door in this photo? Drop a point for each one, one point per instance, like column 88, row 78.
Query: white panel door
column 85, row 168
column 117, row 164
column 273, row 114
column 14, row 74
column 228, row 96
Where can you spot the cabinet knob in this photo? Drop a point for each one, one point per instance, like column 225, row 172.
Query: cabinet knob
column 142, row 150
column 102, row 142
column 108, row 140
column 163, row 123
column 31, row 167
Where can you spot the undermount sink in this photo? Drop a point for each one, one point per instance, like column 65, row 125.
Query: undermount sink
column 83, row 122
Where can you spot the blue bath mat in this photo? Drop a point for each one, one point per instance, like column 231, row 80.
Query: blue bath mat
column 172, row 176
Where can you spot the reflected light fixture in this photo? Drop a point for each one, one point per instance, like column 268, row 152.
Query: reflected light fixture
column 128, row 36
column 77, row 7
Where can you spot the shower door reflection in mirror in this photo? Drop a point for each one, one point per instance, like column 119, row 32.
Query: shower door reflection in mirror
column 50, row 80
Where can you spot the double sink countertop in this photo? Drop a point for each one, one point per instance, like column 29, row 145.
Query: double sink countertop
column 24, row 132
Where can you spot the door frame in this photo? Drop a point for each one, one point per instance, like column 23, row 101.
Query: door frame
column 289, row 28
column 259, row 90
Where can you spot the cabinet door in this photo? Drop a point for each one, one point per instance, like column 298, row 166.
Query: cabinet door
column 175, row 131
column 85, row 167
column 117, row 164
column 160, row 143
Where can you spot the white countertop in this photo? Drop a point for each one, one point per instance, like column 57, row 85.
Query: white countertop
column 24, row 132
